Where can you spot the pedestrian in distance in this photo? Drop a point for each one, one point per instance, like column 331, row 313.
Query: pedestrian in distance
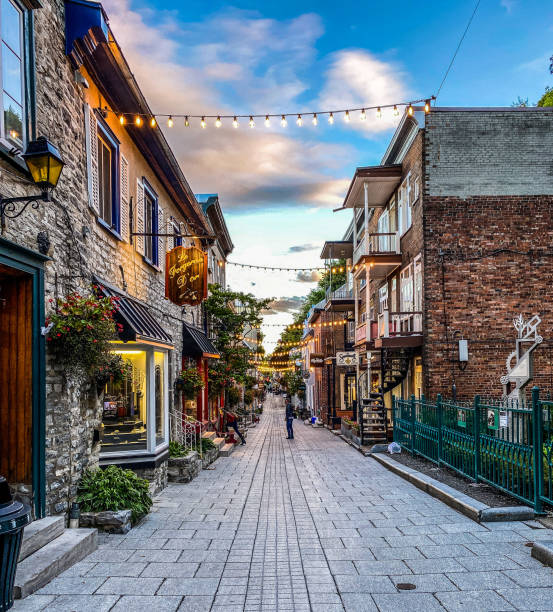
column 289, row 419
column 232, row 421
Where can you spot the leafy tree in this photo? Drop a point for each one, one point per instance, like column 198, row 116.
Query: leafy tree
column 547, row 98
column 231, row 315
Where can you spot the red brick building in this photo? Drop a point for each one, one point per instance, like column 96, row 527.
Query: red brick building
column 451, row 240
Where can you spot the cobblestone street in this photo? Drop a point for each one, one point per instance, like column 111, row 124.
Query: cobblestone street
column 304, row 524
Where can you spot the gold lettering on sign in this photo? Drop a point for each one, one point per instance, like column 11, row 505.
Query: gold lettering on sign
column 186, row 275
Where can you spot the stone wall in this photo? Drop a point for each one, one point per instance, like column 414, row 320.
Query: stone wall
column 157, row 476
column 80, row 247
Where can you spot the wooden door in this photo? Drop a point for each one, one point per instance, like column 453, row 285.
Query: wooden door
column 15, row 375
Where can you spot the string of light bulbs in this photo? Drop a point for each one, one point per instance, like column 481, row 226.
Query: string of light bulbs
column 152, row 119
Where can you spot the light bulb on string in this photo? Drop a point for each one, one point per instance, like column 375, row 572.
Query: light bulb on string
column 363, row 114
column 378, row 113
column 299, row 121
column 252, row 122
column 396, row 111
column 267, row 121
column 427, row 106
column 218, row 122
column 203, row 123
column 186, row 122
column 122, row 119
column 138, row 120
column 283, row 121
column 235, row 122
column 153, row 122
column 315, row 120
column 410, row 110
column 170, row 122
column 331, row 118
column 347, row 117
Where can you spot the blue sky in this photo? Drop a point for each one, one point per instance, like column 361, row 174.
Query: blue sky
column 278, row 186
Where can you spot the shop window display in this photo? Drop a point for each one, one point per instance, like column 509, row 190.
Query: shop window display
column 126, row 406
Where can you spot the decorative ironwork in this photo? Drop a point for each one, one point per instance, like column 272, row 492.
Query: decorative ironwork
column 13, row 207
column 520, row 372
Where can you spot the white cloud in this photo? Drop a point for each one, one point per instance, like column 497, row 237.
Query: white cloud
column 357, row 78
column 239, row 61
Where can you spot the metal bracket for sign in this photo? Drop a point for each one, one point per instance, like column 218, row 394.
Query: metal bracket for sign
column 160, row 235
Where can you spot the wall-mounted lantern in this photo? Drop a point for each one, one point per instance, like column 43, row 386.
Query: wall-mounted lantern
column 45, row 164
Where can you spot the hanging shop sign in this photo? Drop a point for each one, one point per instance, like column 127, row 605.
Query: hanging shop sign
column 316, row 360
column 347, row 358
column 186, row 275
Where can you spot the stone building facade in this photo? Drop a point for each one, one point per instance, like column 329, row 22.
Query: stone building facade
column 76, row 84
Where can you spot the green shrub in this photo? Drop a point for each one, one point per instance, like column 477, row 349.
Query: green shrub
column 114, row 489
column 177, row 450
column 207, row 444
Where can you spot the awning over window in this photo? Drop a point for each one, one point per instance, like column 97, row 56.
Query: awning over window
column 139, row 324
column 196, row 344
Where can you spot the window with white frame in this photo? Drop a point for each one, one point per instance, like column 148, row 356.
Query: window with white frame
column 418, row 283
column 383, row 298
column 383, row 227
column 393, row 294
column 404, row 213
column 406, row 289
column 13, row 31
column 150, row 225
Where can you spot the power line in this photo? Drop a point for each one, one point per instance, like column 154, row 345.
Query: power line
column 458, row 47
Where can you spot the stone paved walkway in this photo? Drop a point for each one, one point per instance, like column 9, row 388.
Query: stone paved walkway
column 304, row 525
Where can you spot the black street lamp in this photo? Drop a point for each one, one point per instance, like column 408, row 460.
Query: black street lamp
column 45, row 165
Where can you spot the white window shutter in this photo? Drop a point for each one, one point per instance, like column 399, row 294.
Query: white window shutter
column 140, row 216
column 124, row 200
column 160, row 239
column 91, row 136
column 170, row 229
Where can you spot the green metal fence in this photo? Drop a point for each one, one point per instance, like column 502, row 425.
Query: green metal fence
column 503, row 443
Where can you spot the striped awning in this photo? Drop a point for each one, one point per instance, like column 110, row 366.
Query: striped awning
column 139, row 324
column 196, row 344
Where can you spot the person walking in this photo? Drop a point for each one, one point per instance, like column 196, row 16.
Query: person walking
column 289, row 419
column 232, row 421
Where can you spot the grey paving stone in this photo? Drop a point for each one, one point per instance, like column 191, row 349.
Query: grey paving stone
column 542, row 577
column 189, row 586
column 434, row 566
column 358, row 602
column 529, row 599
column 413, row 602
column 473, row 581
column 72, row 585
column 170, row 570
column 137, row 603
column 33, row 603
column 117, row 569
column 381, row 568
column 482, row 564
column 195, row 604
column 130, row 586
column 463, row 601
column 154, row 556
column 407, row 552
column 426, row 583
column 364, row 584
column 438, row 552
column 82, row 603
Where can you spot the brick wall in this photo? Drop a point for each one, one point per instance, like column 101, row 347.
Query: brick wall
column 482, row 292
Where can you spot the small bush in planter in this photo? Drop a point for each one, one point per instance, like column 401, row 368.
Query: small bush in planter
column 207, row 444
column 177, row 450
column 114, row 489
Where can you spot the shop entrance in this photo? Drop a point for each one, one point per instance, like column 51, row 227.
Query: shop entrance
column 22, row 373
column 16, row 297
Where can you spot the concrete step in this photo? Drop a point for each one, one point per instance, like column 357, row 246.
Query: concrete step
column 39, row 533
column 219, row 442
column 210, row 435
column 227, row 450
column 51, row 560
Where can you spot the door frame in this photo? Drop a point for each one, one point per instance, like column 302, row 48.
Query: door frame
column 31, row 262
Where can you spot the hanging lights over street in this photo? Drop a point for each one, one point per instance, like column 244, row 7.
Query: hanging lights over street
column 350, row 115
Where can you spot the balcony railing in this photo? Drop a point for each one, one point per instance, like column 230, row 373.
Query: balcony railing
column 376, row 243
column 342, row 293
column 391, row 324
column 366, row 332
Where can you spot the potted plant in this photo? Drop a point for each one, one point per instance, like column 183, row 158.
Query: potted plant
column 115, row 368
column 190, row 382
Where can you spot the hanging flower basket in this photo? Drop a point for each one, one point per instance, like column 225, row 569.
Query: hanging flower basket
column 189, row 382
column 80, row 331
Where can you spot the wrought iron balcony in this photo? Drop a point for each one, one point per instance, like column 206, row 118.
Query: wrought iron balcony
column 340, row 299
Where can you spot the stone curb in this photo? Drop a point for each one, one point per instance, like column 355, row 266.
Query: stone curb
column 543, row 551
column 465, row 504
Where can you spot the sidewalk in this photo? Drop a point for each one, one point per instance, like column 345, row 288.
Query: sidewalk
column 305, row 525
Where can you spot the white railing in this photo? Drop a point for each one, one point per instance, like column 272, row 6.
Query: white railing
column 186, row 430
column 399, row 324
column 383, row 243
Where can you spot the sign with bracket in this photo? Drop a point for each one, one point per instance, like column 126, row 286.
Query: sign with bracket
column 347, row 358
